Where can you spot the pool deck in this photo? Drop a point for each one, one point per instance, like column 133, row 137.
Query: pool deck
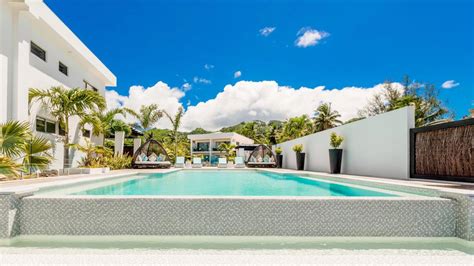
column 28, row 184
column 434, row 209
column 44, row 256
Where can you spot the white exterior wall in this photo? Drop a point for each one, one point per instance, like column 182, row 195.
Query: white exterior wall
column 26, row 21
column 376, row 146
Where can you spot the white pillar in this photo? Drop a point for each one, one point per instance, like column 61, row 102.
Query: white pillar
column 119, row 140
column 136, row 144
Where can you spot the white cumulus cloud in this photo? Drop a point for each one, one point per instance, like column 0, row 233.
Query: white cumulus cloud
column 266, row 100
column 244, row 101
column 267, row 31
column 309, row 37
column 167, row 98
column 201, row 80
column 237, row 74
column 449, row 84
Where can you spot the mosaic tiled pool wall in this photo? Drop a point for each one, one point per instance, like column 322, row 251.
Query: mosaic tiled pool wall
column 464, row 203
column 237, row 217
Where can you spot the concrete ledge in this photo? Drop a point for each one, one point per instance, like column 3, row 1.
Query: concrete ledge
column 238, row 217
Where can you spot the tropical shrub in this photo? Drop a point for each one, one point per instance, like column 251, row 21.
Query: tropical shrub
column 298, row 148
column 116, row 161
column 335, row 140
column 18, row 144
column 278, row 150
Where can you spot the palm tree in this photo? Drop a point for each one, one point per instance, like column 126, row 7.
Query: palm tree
column 63, row 103
column 325, row 117
column 18, row 143
column 12, row 136
column 296, row 127
column 175, row 123
column 103, row 123
column 227, row 148
column 148, row 115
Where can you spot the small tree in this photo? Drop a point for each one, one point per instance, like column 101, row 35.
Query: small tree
column 335, row 140
column 298, row 148
column 64, row 103
column 227, row 148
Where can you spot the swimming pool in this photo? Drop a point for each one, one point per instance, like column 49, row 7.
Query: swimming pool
column 229, row 183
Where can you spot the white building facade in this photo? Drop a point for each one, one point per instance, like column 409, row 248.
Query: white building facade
column 207, row 145
column 37, row 50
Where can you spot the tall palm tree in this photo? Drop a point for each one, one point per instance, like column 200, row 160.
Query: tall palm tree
column 102, row 122
column 175, row 123
column 325, row 117
column 63, row 103
column 17, row 143
column 147, row 116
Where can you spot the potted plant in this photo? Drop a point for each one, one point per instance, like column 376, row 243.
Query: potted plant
column 279, row 157
column 335, row 154
column 298, row 148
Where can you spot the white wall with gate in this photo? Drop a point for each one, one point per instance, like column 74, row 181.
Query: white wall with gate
column 376, row 146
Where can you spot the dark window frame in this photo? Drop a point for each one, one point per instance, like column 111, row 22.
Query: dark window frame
column 47, row 126
column 86, row 133
column 87, row 85
column 63, row 68
column 38, row 51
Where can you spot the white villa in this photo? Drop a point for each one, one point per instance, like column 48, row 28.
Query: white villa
column 207, row 145
column 38, row 50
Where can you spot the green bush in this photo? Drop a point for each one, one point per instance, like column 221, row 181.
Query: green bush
column 278, row 150
column 116, row 162
column 298, row 148
column 335, row 140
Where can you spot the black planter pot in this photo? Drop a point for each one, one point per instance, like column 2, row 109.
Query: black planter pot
column 279, row 160
column 335, row 160
column 300, row 160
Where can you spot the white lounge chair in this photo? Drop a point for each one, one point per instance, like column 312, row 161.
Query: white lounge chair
column 179, row 162
column 197, row 162
column 239, row 162
column 222, row 163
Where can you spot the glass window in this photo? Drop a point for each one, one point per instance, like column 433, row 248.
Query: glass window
column 86, row 133
column 63, row 68
column 88, row 86
column 61, row 130
column 40, row 125
column 50, row 127
column 38, row 51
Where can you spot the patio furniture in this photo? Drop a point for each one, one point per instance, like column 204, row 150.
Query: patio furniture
column 222, row 163
column 239, row 162
column 151, row 154
column 262, row 157
column 180, row 163
column 197, row 162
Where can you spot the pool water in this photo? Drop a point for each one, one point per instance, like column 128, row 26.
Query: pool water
column 229, row 183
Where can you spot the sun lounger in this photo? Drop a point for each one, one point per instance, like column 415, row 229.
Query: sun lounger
column 197, row 162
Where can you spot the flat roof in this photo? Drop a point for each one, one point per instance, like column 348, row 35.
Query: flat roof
column 219, row 135
column 41, row 11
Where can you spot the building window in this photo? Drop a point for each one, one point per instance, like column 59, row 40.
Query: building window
column 88, row 86
column 86, row 133
column 61, row 132
column 43, row 125
column 38, row 51
column 63, row 68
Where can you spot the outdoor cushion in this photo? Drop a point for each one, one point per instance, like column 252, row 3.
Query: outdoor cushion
column 152, row 158
column 180, row 160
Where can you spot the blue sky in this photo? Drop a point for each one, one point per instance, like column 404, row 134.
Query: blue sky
column 362, row 44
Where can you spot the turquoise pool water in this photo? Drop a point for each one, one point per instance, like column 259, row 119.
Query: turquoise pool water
column 229, row 183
